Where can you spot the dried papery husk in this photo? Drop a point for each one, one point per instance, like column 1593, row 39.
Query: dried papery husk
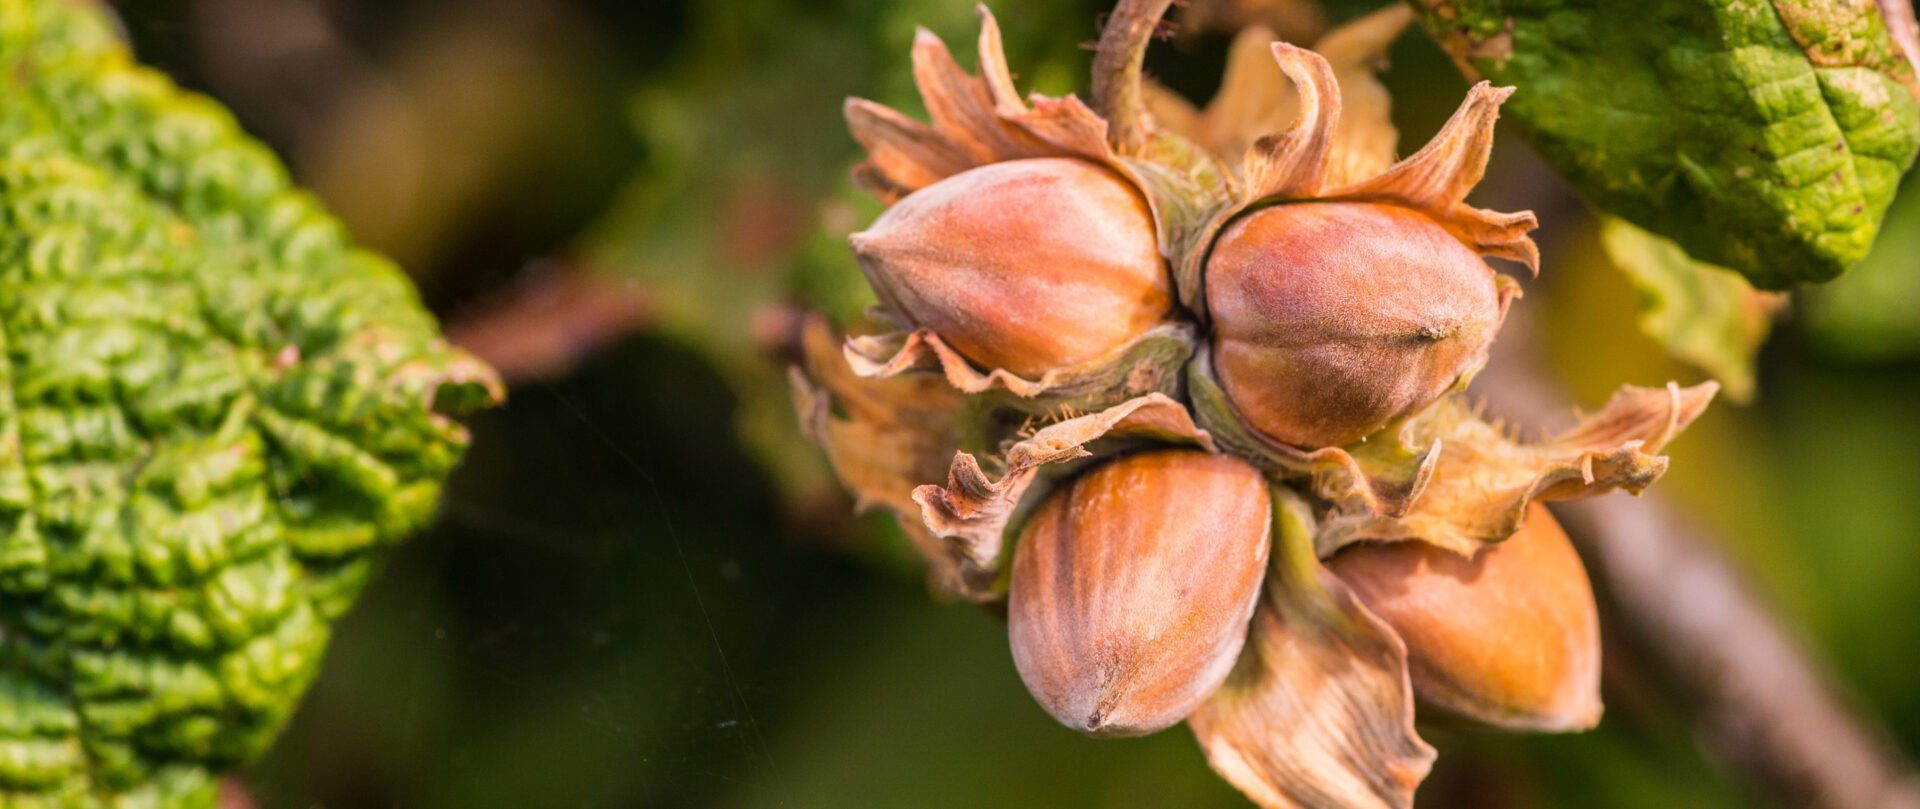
column 1365, row 139
column 887, row 437
column 1478, row 483
column 1255, row 100
column 1319, row 711
column 1451, row 478
column 976, row 120
column 1132, row 586
column 1299, row 164
column 974, row 510
column 1150, row 363
column 1301, row 20
column 1509, row 638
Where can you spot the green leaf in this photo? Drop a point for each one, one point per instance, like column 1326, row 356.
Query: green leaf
column 1705, row 315
column 1765, row 137
column 214, row 412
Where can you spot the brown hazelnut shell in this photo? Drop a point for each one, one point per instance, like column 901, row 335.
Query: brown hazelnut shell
column 1023, row 265
column 1332, row 320
column 1508, row 638
column 1132, row 587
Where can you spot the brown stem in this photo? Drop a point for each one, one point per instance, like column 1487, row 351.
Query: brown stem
column 551, row 319
column 1116, row 70
column 1765, row 701
column 233, row 795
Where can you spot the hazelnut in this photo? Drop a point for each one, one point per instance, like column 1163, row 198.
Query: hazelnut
column 1333, row 319
column 1025, row 265
column 1509, row 638
column 1132, row 588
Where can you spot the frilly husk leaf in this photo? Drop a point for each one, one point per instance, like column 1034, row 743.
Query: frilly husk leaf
column 974, row 510
column 889, row 436
column 1476, row 480
column 1319, row 710
column 1293, row 163
column 1436, row 180
column 1149, row 364
column 976, row 120
column 1255, row 100
column 1297, row 164
column 1447, row 476
column 1364, row 137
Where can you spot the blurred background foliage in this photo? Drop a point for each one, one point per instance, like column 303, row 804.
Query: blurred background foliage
column 644, row 589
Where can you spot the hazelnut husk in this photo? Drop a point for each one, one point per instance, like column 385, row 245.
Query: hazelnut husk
column 1027, row 266
column 1332, row 320
column 1096, row 289
column 1508, row 638
column 1132, row 588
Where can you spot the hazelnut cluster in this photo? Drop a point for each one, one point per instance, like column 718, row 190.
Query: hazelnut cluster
column 1189, row 408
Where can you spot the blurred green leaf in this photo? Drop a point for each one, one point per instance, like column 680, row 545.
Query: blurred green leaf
column 1765, row 137
column 214, row 411
column 1708, row 316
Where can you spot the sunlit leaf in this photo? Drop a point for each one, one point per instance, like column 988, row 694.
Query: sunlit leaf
column 1764, row 137
column 1708, row 316
column 214, row 413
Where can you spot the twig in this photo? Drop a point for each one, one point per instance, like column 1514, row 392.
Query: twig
column 551, row 319
column 233, row 795
column 1766, row 703
column 1116, row 70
